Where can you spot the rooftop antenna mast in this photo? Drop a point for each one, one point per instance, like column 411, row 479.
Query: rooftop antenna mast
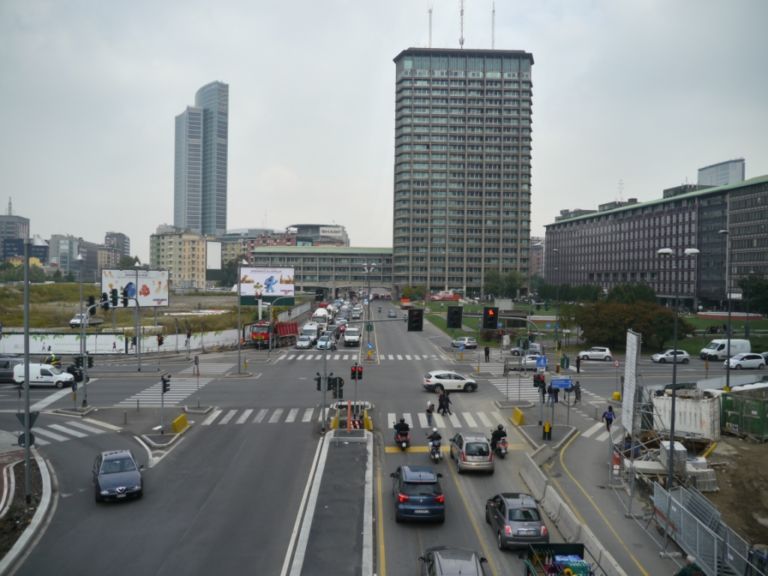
column 621, row 190
column 430, row 26
column 461, row 15
column 493, row 25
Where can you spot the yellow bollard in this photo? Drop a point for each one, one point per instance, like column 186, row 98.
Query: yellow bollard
column 616, row 396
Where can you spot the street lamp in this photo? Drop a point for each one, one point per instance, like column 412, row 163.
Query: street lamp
column 368, row 269
column 557, row 310
column 669, row 253
column 239, row 323
column 728, row 296
column 83, row 359
column 137, row 310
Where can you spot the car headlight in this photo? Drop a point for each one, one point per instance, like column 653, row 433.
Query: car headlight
column 105, row 492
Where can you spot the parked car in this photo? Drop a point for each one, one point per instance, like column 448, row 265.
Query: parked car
column 117, row 476
column 79, row 319
column 467, row 341
column 750, row 360
column 418, row 494
column 304, row 342
column 671, row 355
column 515, row 520
column 438, row 380
column 472, row 451
column 449, row 561
column 596, row 353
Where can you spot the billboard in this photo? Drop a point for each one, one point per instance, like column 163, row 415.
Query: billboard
column 150, row 287
column 266, row 283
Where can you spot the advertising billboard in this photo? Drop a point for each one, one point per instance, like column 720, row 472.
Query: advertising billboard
column 150, row 287
column 267, row 284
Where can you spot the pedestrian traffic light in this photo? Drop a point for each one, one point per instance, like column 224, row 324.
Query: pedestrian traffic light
column 490, row 318
column 454, row 316
column 318, row 381
column 357, row 372
column 79, row 361
column 125, row 297
column 340, row 387
column 113, row 297
column 166, row 379
column 104, row 301
column 90, row 361
column 415, row 320
column 91, row 304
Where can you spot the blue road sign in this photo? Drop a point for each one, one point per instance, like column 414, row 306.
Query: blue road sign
column 561, row 383
column 541, row 362
column 461, row 347
column 548, row 325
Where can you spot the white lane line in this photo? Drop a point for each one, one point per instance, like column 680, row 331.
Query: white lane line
column 45, row 402
column 260, row 415
column 592, row 429
column 229, row 415
column 399, row 357
column 423, row 420
column 213, row 415
column 407, row 356
column 307, row 417
column 391, row 419
column 390, row 356
column 439, row 422
column 484, row 419
column 602, row 437
column 66, row 430
column 291, row 415
column 244, row 416
column 275, row 416
column 498, row 417
column 470, row 421
column 91, row 429
column 48, row 434
column 408, row 419
column 455, row 422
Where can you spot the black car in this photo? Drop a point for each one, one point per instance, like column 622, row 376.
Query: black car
column 117, row 476
column 418, row 494
column 448, row 561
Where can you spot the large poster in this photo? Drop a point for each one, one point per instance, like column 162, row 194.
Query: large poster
column 149, row 287
column 266, row 283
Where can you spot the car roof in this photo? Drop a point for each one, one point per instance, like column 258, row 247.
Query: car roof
column 473, row 436
column 418, row 474
column 519, row 499
column 110, row 454
column 454, row 560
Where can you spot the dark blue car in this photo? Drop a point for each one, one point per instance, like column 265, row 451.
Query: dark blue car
column 418, row 494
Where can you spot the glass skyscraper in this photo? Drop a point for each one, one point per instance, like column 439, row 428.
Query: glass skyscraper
column 200, row 175
column 462, row 180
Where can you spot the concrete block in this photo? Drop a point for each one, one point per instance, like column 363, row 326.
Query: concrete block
column 533, row 476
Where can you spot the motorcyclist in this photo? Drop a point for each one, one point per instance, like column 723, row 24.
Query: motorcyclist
column 402, row 428
column 434, row 436
column 497, row 435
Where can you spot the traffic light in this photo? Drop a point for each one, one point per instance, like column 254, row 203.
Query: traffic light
column 490, row 318
column 160, row 339
column 166, row 378
column 189, row 333
column 125, row 297
column 539, row 381
column 357, row 372
column 318, row 381
column 334, row 387
column 329, row 382
column 104, row 301
column 91, row 304
column 454, row 316
column 113, row 297
column 415, row 320
column 90, row 361
column 79, row 361
column 340, row 386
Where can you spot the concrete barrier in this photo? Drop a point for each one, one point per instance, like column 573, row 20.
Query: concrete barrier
column 180, row 423
column 533, row 476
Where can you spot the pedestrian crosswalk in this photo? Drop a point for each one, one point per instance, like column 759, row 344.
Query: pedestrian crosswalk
column 181, row 389
column 615, row 434
column 470, row 420
column 67, row 430
column 517, row 387
column 304, row 356
column 239, row 417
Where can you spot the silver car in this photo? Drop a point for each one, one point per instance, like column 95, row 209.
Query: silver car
column 472, row 451
column 679, row 356
column 515, row 520
column 439, row 380
column 596, row 353
column 304, row 342
column 744, row 360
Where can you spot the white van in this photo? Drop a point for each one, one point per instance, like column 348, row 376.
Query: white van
column 311, row 329
column 718, row 349
column 43, row 375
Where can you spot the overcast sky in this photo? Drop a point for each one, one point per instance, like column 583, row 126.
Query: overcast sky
column 637, row 92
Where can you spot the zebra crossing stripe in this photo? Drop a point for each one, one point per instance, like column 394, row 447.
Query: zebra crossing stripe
column 275, row 416
column 66, row 430
column 470, row 421
column 50, row 435
column 244, row 416
column 292, row 415
column 484, row 419
column 423, row 420
column 602, row 437
column 211, row 417
column 594, row 428
column 260, row 416
column 91, row 429
column 407, row 356
column 439, row 422
column 307, row 417
column 455, row 422
column 227, row 417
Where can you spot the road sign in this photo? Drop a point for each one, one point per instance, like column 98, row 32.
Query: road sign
column 32, row 418
column 23, row 439
column 541, row 362
column 561, row 383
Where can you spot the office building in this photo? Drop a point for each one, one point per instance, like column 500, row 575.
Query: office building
column 118, row 243
column 182, row 253
column 722, row 173
column 319, row 234
column 462, row 192
column 200, row 171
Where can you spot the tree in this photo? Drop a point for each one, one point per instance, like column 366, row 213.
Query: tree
column 227, row 276
column 414, row 292
column 631, row 293
column 502, row 285
column 755, row 293
column 127, row 262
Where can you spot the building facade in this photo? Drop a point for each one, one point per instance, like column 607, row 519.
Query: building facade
column 319, row 234
column 118, row 243
column 620, row 245
column 200, row 170
column 722, row 173
column 462, row 178
column 182, row 253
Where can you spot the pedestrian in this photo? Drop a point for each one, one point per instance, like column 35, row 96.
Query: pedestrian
column 441, row 405
column 487, row 353
column 578, row 364
column 550, row 394
column 114, row 346
column 555, row 394
column 430, row 413
column 448, row 403
column 608, row 417
column 577, row 393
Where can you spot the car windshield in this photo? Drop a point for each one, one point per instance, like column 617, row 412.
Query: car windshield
column 421, row 488
column 524, row 515
column 117, row 465
column 476, row 449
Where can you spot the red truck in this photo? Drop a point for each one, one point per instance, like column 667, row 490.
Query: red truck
column 282, row 333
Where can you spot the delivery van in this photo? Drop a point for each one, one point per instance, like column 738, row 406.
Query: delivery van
column 718, row 349
column 43, row 375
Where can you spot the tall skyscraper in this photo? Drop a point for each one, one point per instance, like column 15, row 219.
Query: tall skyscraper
column 462, row 167
column 200, row 174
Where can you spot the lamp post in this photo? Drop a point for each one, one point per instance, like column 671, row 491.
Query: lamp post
column 81, row 260
column 137, row 310
column 727, row 235
column 239, row 323
column 557, row 310
column 669, row 253
column 369, row 268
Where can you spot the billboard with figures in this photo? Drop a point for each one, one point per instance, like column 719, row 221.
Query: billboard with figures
column 149, row 287
column 268, row 284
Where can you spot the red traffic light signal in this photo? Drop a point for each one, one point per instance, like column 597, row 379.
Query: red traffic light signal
column 357, row 372
column 490, row 318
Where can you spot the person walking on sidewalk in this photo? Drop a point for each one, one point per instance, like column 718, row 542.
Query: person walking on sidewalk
column 487, row 354
column 608, row 417
column 578, row 364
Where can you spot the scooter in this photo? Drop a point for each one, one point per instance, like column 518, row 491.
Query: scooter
column 403, row 439
column 434, row 451
column 501, row 447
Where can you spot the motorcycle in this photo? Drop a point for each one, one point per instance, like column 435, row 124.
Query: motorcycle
column 501, row 447
column 434, row 451
column 403, row 439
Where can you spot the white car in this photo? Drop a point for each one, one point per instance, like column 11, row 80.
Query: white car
column 671, row 355
column 304, row 342
column 746, row 360
column 326, row 342
column 596, row 353
column 438, row 380
column 529, row 362
column 78, row 319
column 467, row 341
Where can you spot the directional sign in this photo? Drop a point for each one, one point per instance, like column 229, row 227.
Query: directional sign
column 541, row 362
column 561, row 383
column 32, row 417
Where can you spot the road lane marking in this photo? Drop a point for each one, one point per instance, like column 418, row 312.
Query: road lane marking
column 48, row 434
column 260, row 416
column 380, row 522
column 592, row 429
column 244, row 416
column 91, row 429
column 227, row 417
column 45, row 402
column 275, row 416
column 602, row 437
column 484, row 419
column 423, row 420
column 470, row 421
column 439, row 422
column 292, row 415
column 208, row 421
column 307, row 417
column 69, row 431
column 455, row 422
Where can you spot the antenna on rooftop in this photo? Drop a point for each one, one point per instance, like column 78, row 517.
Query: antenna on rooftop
column 461, row 18
column 10, row 206
column 430, row 26
column 493, row 24
column 621, row 190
